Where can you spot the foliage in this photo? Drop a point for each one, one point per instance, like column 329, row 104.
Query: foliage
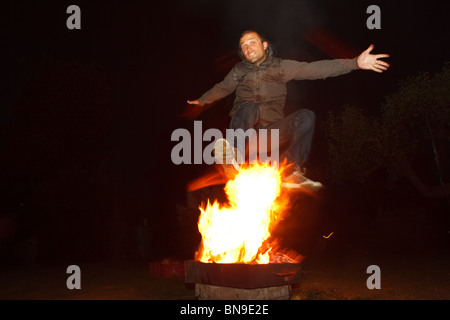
column 355, row 144
column 419, row 110
column 420, row 99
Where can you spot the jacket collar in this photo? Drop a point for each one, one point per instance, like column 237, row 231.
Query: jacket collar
column 267, row 61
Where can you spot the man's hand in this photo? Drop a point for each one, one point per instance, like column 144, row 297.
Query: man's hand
column 196, row 102
column 192, row 110
column 367, row 61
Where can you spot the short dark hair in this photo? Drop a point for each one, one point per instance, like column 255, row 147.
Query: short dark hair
column 261, row 36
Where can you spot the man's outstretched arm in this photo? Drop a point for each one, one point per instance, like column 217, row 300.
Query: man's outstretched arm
column 296, row 70
column 219, row 91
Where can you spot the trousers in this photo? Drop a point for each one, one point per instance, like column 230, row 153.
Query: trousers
column 295, row 132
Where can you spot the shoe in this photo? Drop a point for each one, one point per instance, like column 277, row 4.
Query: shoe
column 297, row 180
column 226, row 155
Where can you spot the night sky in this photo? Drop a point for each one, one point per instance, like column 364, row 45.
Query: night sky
column 87, row 115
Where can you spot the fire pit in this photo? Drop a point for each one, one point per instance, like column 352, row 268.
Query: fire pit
column 238, row 281
column 237, row 257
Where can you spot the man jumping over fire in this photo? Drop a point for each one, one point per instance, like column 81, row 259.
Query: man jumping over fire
column 259, row 81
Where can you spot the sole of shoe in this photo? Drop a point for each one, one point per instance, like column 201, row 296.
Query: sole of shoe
column 225, row 158
column 307, row 185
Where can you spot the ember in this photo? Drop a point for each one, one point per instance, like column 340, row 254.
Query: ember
column 238, row 232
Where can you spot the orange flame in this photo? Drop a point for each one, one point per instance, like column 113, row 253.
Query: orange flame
column 238, row 232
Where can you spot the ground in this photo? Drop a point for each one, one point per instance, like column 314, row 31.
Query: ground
column 403, row 277
column 423, row 276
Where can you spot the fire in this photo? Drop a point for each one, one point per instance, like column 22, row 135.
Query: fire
column 236, row 232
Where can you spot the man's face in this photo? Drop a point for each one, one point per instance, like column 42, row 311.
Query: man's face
column 253, row 48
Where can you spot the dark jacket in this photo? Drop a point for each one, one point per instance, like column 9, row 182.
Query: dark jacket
column 266, row 83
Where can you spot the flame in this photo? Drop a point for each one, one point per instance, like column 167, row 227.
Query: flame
column 210, row 179
column 238, row 231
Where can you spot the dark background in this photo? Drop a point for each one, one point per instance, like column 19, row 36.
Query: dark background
column 87, row 115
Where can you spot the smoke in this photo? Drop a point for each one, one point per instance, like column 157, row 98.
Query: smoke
column 284, row 22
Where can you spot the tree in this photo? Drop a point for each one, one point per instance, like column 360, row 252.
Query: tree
column 417, row 114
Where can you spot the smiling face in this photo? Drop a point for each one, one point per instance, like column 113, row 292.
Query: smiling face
column 253, row 49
